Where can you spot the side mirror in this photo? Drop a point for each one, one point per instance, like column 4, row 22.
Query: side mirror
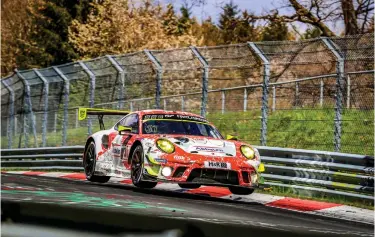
column 122, row 129
column 232, row 137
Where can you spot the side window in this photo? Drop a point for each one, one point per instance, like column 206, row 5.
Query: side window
column 129, row 121
column 121, row 122
column 132, row 121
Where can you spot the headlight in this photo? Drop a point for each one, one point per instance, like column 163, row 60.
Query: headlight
column 248, row 152
column 165, row 146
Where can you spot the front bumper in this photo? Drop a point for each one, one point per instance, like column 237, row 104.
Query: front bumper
column 198, row 174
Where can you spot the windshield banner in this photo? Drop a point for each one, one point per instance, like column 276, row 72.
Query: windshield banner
column 174, row 117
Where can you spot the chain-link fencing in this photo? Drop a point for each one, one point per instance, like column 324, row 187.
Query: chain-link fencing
column 312, row 94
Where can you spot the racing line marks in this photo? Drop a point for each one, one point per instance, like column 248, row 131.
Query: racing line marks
column 294, row 204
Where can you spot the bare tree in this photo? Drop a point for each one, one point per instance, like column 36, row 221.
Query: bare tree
column 355, row 14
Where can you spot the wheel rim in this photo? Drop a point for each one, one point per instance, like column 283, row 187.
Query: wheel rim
column 136, row 166
column 89, row 160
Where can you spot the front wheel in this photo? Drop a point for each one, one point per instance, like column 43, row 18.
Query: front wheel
column 241, row 190
column 137, row 169
column 89, row 165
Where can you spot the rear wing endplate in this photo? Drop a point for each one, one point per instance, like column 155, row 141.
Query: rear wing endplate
column 84, row 112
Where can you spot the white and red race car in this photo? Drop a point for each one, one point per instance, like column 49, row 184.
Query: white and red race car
column 169, row 146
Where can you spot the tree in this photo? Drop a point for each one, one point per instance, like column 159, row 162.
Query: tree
column 116, row 27
column 275, row 31
column 228, row 21
column 207, row 33
column 311, row 33
column 48, row 43
column 16, row 26
column 356, row 15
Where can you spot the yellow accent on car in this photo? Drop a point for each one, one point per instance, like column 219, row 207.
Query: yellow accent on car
column 153, row 170
column 83, row 112
column 165, row 145
column 261, row 168
column 152, row 160
column 248, row 152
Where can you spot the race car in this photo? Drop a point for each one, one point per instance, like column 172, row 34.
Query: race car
column 169, row 146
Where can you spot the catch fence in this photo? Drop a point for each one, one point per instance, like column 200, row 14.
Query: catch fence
column 312, row 94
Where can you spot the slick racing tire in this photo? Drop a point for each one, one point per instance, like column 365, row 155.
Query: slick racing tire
column 191, row 186
column 241, row 190
column 89, row 165
column 136, row 171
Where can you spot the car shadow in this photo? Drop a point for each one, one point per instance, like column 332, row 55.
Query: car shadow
column 177, row 194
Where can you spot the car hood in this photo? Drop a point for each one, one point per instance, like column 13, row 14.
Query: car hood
column 205, row 146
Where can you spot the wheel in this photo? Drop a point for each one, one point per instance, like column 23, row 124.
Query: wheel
column 137, row 169
column 183, row 185
column 241, row 190
column 89, row 165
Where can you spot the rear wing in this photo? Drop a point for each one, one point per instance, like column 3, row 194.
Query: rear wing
column 84, row 112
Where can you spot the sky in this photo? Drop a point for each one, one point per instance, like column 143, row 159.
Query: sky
column 212, row 8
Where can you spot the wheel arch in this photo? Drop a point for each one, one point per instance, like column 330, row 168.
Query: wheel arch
column 88, row 141
column 135, row 144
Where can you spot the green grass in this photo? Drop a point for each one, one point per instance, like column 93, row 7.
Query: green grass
column 298, row 128
column 302, row 128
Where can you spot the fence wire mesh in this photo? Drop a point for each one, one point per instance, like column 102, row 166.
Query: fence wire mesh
column 313, row 94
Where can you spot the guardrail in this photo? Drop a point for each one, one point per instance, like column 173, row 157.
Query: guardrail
column 309, row 171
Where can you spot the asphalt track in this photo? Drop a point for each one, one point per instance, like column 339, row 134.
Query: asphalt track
column 169, row 204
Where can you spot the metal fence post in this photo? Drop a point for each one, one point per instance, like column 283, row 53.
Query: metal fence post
column 348, row 92
column 321, row 92
column 45, row 114
column 55, row 121
column 339, row 91
column 66, row 103
column 11, row 124
column 182, row 103
column 296, row 95
column 266, row 79
column 165, row 104
column 273, row 99
column 77, row 118
column 205, row 65
column 244, row 99
column 159, row 73
column 121, row 73
column 91, row 93
column 131, row 106
column 222, row 102
column 29, row 107
column 15, row 123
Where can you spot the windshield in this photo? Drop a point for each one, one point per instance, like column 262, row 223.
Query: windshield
column 180, row 127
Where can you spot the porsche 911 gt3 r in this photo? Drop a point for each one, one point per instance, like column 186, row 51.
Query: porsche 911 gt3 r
column 169, row 146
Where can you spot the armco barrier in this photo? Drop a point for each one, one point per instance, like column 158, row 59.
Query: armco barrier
column 305, row 171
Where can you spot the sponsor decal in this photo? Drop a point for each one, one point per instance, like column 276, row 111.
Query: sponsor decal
column 218, row 165
column 105, row 166
column 179, row 157
column 160, row 160
column 116, row 151
column 174, row 116
column 209, row 149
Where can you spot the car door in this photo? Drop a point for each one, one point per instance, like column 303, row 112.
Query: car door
column 120, row 142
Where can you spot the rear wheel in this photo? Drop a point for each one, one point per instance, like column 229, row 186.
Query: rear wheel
column 241, row 190
column 184, row 185
column 89, row 165
column 137, row 169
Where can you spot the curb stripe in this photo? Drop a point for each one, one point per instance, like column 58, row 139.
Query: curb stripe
column 301, row 205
